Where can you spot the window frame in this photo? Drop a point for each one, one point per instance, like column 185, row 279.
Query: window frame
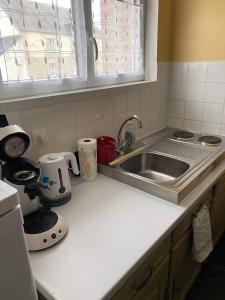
column 109, row 79
column 88, row 80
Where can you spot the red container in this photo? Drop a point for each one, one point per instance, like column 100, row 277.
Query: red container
column 106, row 149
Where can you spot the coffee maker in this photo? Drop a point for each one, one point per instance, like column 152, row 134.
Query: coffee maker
column 43, row 227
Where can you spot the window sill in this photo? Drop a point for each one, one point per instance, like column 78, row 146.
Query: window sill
column 69, row 96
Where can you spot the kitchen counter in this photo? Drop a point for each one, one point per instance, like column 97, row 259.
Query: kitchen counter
column 111, row 227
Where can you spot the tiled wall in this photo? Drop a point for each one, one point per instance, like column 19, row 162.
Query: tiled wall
column 92, row 116
column 197, row 96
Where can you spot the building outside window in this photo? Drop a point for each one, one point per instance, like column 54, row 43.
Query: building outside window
column 79, row 43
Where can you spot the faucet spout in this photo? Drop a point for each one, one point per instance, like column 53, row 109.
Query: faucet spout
column 134, row 117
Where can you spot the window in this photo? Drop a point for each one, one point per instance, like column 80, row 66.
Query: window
column 68, row 44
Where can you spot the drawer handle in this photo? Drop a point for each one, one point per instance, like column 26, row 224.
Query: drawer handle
column 141, row 285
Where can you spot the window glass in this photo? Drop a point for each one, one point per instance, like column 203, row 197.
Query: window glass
column 34, row 36
column 56, row 45
column 118, row 30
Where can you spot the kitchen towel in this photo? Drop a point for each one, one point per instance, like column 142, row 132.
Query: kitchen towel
column 87, row 149
column 202, row 236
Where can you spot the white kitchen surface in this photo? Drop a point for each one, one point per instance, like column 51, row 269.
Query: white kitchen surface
column 111, row 226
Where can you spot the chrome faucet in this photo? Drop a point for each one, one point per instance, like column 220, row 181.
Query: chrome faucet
column 122, row 145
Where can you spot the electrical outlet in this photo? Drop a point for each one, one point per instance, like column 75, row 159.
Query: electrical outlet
column 40, row 136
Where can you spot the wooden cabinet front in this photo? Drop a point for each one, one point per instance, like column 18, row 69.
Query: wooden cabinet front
column 218, row 209
column 156, row 287
column 184, row 268
column 150, row 279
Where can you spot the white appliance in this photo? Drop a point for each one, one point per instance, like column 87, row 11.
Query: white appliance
column 43, row 228
column 55, row 179
column 16, row 281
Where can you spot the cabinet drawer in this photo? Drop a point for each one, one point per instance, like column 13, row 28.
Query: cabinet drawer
column 145, row 274
column 187, row 221
column 157, row 285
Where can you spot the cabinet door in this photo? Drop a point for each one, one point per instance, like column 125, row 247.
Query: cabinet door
column 186, row 222
column 184, row 268
column 218, row 204
column 156, row 286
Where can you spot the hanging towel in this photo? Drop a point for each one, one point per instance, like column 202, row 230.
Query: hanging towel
column 202, row 236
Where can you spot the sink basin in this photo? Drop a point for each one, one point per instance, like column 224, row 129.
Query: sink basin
column 156, row 167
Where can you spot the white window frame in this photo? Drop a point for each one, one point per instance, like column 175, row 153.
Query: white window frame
column 109, row 79
column 21, row 89
column 88, row 79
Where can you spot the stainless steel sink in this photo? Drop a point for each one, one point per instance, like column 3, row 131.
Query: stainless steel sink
column 155, row 167
column 166, row 167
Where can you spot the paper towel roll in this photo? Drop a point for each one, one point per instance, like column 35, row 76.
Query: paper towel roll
column 87, row 149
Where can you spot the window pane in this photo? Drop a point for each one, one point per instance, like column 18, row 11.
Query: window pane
column 118, row 29
column 37, row 40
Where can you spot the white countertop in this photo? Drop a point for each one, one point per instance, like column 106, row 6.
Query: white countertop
column 111, row 227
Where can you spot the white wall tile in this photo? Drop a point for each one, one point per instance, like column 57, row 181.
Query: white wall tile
column 195, row 91
column 175, row 122
column 222, row 129
column 193, row 111
column 85, row 111
column 163, row 109
column 179, row 71
column 210, row 128
column 215, row 92
column 150, row 113
column 212, row 113
column 14, row 117
column 176, row 109
column 197, row 71
column 86, row 130
column 159, row 92
column 119, row 103
column 204, row 99
column 40, row 117
column 63, row 115
column 104, row 127
column 146, row 97
column 163, row 72
column 193, row 125
column 117, row 121
column 65, row 140
column 144, row 130
column 133, row 99
column 177, row 91
column 103, row 106
column 216, row 71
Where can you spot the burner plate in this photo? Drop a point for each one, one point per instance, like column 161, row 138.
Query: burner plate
column 183, row 135
column 210, row 140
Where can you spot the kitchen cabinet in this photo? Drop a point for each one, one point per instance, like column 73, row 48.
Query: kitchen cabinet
column 218, row 209
column 183, row 267
column 150, row 280
column 186, row 222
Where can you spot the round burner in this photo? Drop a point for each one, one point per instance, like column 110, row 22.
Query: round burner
column 210, row 140
column 39, row 221
column 183, row 135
